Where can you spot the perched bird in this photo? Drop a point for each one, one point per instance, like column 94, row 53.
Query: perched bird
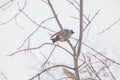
column 59, row 36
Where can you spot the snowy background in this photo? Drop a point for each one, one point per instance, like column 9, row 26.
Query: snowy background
column 23, row 66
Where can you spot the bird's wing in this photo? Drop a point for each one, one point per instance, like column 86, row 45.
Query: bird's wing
column 60, row 33
column 54, row 35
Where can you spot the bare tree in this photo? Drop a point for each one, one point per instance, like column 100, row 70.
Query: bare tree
column 92, row 65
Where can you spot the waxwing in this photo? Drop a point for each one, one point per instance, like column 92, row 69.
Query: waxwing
column 59, row 36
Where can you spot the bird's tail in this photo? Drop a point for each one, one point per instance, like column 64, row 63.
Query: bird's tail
column 53, row 40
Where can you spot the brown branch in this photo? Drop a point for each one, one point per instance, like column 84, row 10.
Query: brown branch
column 89, row 22
column 76, row 2
column 64, row 78
column 14, row 15
column 39, row 25
column 18, row 23
column 49, row 69
column 79, row 41
column 100, row 54
column 4, row 76
column 84, row 62
column 92, row 69
column 43, row 55
column 52, row 9
column 45, row 2
column 57, row 20
column 87, row 34
column 49, row 56
column 69, row 74
column 87, row 18
column 8, row 6
column 75, row 56
column 11, row 1
column 80, row 29
column 109, row 27
column 28, row 49
column 105, row 66
column 74, row 5
column 97, row 52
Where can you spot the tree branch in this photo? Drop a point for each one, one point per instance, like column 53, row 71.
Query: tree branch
column 15, row 14
column 49, row 56
column 57, row 20
column 108, row 28
column 28, row 49
column 10, row 1
column 49, row 69
column 100, row 53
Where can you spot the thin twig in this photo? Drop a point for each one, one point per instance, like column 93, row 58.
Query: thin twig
column 10, row 1
column 52, row 9
column 91, row 20
column 49, row 69
column 28, row 49
column 105, row 66
column 100, row 53
column 84, row 62
column 18, row 23
column 39, row 25
column 14, row 15
column 109, row 27
column 92, row 69
column 76, row 2
column 5, row 77
column 8, row 6
column 64, row 78
column 45, row 2
column 73, row 5
column 49, row 56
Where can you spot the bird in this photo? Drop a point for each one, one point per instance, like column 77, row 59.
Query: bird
column 62, row 35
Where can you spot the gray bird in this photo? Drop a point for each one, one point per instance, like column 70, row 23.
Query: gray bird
column 59, row 36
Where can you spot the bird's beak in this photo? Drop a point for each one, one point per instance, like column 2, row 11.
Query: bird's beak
column 72, row 31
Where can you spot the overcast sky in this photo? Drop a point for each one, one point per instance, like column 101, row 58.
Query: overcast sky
column 22, row 67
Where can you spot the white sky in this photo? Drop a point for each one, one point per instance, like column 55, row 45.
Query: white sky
column 23, row 67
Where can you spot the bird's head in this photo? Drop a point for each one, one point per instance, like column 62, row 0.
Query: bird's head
column 72, row 31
